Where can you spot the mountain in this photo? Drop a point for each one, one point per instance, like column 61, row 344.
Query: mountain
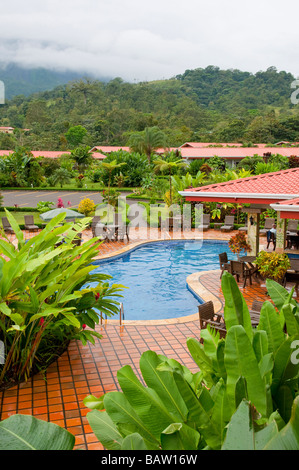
column 204, row 104
column 27, row 81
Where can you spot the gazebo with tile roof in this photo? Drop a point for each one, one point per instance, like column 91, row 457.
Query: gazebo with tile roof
column 279, row 190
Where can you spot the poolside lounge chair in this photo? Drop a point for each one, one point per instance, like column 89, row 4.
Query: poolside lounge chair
column 206, row 218
column 29, row 223
column 241, row 270
column 6, row 225
column 269, row 222
column 224, row 263
column 207, row 316
column 228, row 223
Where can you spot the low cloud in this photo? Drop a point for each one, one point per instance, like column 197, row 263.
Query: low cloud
column 151, row 41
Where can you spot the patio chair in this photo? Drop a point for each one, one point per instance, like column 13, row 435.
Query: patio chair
column 269, row 222
column 241, row 271
column 29, row 223
column 207, row 316
column 292, row 241
column 96, row 219
column 224, row 263
column 6, row 225
column 292, row 274
column 206, row 218
column 228, row 223
column 292, row 227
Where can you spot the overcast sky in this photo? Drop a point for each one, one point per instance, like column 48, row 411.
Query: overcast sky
column 141, row 40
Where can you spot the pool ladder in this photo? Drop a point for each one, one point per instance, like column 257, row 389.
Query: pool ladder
column 121, row 315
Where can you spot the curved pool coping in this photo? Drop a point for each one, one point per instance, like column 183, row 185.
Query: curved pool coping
column 192, row 281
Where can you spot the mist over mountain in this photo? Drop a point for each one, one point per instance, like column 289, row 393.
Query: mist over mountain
column 27, row 81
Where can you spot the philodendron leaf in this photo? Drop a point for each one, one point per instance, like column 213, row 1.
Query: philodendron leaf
column 20, row 432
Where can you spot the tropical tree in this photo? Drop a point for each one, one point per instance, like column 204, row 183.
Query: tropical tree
column 82, row 157
column 60, row 176
column 109, row 167
column 147, row 141
column 75, row 135
column 168, row 167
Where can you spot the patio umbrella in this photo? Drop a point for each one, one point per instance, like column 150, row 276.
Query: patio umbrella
column 70, row 214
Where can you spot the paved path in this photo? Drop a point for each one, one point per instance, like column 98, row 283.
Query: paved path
column 31, row 198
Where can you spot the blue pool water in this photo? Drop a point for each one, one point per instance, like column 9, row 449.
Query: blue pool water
column 156, row 274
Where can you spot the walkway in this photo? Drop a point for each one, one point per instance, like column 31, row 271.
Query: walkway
column 84, row 370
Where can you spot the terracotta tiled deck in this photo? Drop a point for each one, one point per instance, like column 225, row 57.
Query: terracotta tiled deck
column 84, row 370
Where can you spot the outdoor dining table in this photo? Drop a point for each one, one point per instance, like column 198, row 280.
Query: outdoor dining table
column 249, row 260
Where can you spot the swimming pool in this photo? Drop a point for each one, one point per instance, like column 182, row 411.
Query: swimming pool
column 156, row 274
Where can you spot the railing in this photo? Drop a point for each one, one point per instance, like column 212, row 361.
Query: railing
column 121, row 315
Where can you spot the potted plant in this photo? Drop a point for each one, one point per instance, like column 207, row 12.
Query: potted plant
column 238, row 243
column 273, row 265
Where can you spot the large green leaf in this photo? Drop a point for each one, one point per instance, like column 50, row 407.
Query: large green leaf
column 133, row 442
column 240, row 361
column 278, row 294
column 178, row 436
column 292, row 324
column 164, row 385
column 203, row 361
column 288, row 437
column 105, row 429
column 236, row 311
column 241, row 433
column 20, row 432
column 270, row 322
column 154, row 413
column 285, row 369
column 126, row 419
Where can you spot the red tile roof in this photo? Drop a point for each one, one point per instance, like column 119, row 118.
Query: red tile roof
column 235, row 153
column 267, row 187
column 51, row 154
column 215, row 144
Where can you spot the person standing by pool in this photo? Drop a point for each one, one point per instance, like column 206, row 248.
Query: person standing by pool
column 272, row 230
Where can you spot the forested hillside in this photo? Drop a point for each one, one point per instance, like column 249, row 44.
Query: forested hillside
column 200, row 105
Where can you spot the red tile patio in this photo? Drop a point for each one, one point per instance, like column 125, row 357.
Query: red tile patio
column 83, row 370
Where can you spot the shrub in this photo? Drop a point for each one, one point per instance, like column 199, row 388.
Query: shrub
column 273, row 265
column 48, row 294
column 86, row 207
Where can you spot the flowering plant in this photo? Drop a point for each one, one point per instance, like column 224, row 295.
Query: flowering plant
column 238, row 243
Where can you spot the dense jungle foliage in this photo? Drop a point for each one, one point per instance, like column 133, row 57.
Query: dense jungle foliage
column 208, row 105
